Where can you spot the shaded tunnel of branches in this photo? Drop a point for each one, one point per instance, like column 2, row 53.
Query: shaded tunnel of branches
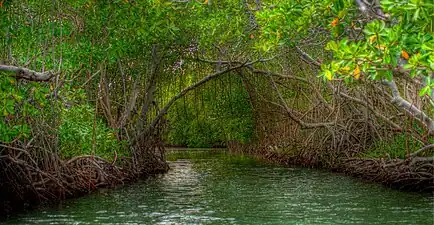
column 299, row 119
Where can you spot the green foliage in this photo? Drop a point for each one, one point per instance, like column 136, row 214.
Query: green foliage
column 20, row 105
column 406, row 35
column 403, row 36
column 397, row 147
column 187, row 130
column 81, row 37
column 193, row 155
column 288, row 22
column 79, row 129
column 214, row 118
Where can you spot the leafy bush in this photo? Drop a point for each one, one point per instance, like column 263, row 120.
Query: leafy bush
column 188, row 130
column 20, row 104
column 78, row 134
column 215, row 119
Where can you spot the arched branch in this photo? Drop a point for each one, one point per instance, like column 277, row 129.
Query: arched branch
column 166, row 107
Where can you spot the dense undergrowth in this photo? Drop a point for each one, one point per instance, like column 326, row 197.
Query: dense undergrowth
column 80, row 133
column 91, row 91
column 220, row 113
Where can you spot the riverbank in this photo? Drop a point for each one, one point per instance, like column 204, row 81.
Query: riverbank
column 83, row 175
column 412, row 174
column 71, row 178
column 216, row 187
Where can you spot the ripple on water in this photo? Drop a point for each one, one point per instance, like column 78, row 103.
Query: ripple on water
column 219, row 191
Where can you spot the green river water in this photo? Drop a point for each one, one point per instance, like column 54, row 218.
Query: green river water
column 208, row 187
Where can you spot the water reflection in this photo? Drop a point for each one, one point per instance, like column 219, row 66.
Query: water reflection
column 224, row 190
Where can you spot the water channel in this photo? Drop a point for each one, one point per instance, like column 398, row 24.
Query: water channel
column 213, row 187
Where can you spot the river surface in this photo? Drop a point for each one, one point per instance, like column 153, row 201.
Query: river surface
column 208, row 187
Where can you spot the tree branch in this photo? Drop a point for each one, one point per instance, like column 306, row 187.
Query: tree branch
column 304, row 80
column 427, row 147
column 295, row 118
column 409, row 107
column 27, row 74
column 308, row 58
column 371, row 108
column 166, row 107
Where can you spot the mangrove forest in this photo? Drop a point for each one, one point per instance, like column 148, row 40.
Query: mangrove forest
column 234, row 110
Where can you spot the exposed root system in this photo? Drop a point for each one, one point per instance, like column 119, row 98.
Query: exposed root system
column 28, row 179
column 324, row 124
column 414, row 173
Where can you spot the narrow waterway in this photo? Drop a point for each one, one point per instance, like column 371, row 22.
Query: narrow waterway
column 207, row 187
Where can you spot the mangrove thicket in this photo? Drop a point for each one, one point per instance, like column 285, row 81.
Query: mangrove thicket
column 92, row 91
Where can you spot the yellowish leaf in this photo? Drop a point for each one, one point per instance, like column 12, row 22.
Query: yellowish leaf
column 345, row 69
column 329, row 75
column 381, row 47
column 356, row 72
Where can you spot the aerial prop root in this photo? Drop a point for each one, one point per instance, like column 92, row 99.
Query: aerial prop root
column 23, row 178
column 416, row 173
